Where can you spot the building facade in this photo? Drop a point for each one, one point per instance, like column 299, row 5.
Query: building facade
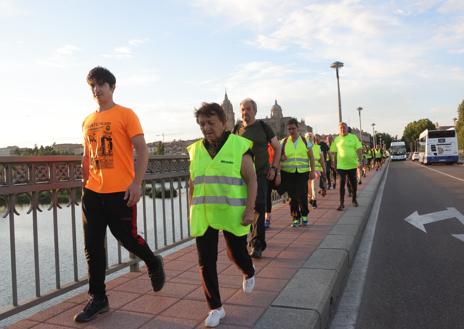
column 277, row 121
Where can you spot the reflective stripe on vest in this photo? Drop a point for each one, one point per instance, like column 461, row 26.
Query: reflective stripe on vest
column 218, row 180
column 218, row 200
column 219, row 191
column 297, row 157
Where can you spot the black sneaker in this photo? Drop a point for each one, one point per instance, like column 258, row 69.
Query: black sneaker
column 340, row 207
column 94, row 306
column 314, row 204
column 256, row 252
column 355, row 203
column 156, row 273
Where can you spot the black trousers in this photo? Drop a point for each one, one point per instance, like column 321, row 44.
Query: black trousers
column 258, row 233
column 269, row 197
column 296, row 185
column 353, row 182
column 207, row 247
column 330, row 171
column 99, row 211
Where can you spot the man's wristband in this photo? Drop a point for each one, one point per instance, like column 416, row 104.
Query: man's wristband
column 274, row 168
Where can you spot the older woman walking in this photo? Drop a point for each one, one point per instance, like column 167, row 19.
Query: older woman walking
column 297, row 163
column 222, row 197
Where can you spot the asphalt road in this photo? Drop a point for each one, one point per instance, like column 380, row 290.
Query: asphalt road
column 416, row 279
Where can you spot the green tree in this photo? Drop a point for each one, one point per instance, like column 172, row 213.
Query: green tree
column 413, row 129
column 385, row 138
column 460, row 125
column 160, row 148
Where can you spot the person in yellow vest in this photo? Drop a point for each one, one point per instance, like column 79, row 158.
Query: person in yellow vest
column 296, row 161
column 346, row 152
column 377, row 157
column 319, row 166
column 222, row 197
column 367, row 153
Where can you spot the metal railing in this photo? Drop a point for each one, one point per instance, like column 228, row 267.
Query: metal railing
column 29, row 179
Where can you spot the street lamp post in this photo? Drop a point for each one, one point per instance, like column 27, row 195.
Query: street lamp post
column 360, row 127
column 336, row 66
column 373, row 133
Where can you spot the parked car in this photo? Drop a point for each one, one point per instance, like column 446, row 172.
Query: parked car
column 415, row 156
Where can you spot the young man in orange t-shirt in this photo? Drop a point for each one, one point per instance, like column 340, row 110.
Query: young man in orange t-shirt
column 112, row 188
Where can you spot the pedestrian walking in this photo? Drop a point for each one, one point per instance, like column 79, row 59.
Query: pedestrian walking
column 272, row 186
column 297, row 163
column 346, row 151
column 112, row 188
column 222, row 197
column 319, row 172
column 378, row 154
column 261, row 135
column 331, row 171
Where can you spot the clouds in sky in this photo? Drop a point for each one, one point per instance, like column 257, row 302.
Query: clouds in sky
column 391, row 49
column 126, row 51
column 61, row 57
column 404, row 60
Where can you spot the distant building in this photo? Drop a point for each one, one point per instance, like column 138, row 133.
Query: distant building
column 170, row 148
column 366, row 137
column 75, row 149
column 9, row 150
column 277, row 121
column 445, row 127
column 229, row 110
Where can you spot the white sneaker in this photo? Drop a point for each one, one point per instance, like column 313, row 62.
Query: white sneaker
column 249, row 284
column 214, row 317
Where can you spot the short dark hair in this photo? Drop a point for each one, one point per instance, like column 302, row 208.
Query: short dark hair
column 292, row 121
column 210, row 109
column 100, row 75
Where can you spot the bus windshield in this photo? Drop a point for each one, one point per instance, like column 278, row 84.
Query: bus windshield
column 442, row 134
column 398, row 150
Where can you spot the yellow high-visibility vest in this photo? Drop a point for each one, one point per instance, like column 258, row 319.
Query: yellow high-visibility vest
column 297, row 157
column 317, row 157
column 219, row 193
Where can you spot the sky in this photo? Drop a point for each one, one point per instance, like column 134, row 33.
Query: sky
column 403, row 61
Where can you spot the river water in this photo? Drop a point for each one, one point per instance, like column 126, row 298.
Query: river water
column 25, row 247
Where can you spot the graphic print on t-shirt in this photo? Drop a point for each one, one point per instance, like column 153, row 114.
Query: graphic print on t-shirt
column 100, row 140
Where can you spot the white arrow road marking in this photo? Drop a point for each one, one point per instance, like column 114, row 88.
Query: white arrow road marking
column 419, row 221
column 459, row 236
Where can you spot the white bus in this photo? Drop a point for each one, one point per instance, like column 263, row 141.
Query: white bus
column 398, row 150
column 438, row 146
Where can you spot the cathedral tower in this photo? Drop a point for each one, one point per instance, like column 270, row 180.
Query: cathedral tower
column 229, row 110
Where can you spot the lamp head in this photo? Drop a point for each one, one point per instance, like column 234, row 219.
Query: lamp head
column 336, row 65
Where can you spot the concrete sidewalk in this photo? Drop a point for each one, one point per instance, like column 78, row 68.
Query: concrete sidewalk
column 299, row 278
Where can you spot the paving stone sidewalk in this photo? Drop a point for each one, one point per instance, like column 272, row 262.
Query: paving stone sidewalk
column 181, row 303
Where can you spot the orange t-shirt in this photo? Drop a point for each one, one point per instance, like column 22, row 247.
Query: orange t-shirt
column 107, row 140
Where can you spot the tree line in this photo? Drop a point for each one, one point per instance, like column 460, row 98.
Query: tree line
column 413, row 129
column 40, row 150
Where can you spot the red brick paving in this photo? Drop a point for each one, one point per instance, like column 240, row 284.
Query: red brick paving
column 181, row 303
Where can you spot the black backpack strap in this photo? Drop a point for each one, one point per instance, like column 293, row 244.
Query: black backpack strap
column 237, row 127
column 304, row 140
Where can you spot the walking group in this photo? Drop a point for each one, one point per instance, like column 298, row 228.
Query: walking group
column 232, row 176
